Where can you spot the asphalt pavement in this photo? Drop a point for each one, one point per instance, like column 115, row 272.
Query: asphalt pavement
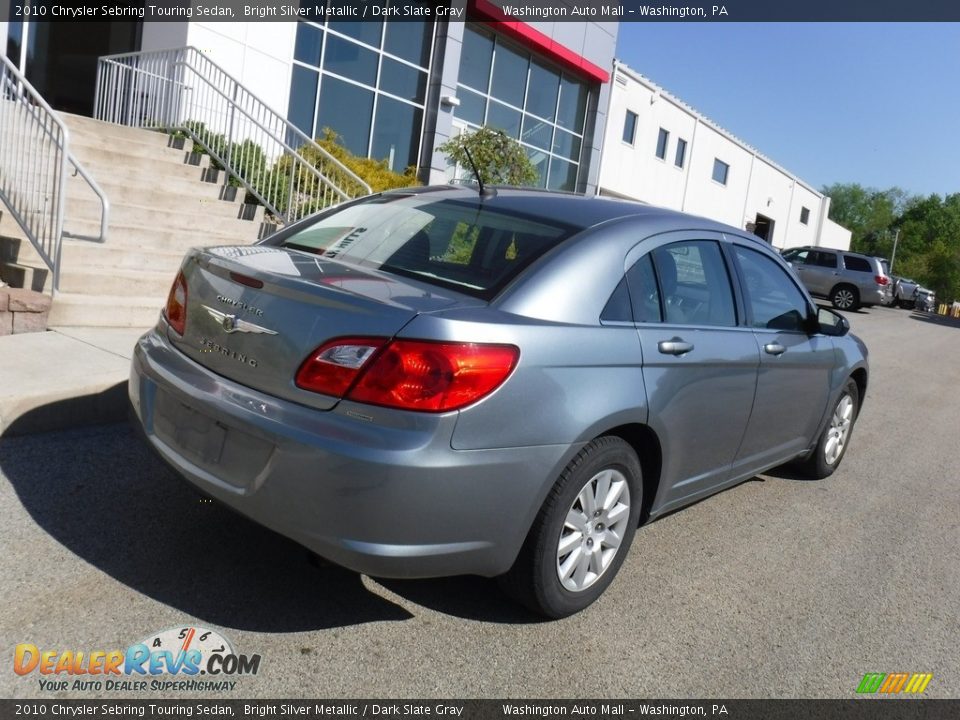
column 776, row 588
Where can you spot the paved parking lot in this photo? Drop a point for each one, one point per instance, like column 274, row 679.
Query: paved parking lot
column 778, row 587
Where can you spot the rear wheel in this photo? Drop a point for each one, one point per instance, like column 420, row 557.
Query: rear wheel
column 583, row 531
column 845, row 297
column 835, row 438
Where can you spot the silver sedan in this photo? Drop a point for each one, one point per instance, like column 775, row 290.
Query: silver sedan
column 440, row 381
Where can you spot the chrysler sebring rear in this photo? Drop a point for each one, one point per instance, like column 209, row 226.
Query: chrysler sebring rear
column 439, row 382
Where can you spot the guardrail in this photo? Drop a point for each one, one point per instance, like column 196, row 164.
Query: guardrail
column 34, row 161
column 182, row 90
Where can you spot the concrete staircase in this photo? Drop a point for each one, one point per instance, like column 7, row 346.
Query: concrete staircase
column 164, row 200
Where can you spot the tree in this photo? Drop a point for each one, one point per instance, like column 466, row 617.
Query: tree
column 500, row 159
column 867, row 213
column 930, row 238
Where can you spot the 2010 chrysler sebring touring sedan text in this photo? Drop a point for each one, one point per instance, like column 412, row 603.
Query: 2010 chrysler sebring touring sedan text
column 443, row 381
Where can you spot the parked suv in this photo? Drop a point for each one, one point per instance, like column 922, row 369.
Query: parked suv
column 849, row 280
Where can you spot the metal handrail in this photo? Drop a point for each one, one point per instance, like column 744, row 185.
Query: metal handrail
column 34, row 156
column 79, row 169
column 182, row 90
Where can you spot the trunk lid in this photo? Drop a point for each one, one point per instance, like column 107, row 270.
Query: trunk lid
column 255, row 313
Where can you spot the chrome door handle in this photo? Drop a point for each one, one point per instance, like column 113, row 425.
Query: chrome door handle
column 774, row 348
column 676, row 346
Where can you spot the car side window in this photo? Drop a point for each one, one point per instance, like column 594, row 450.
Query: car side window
column 694, row 284
column 644, row 292
column 796, row 256
column 774, row 301
column 824, row 259
column 617, row 308
column 851, row 262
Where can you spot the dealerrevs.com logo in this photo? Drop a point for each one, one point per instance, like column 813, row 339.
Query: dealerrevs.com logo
column 171, row 660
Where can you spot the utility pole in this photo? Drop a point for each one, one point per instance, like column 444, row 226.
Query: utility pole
column 893, row 255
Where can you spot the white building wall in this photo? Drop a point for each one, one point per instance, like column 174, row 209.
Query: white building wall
column 662, row 182
column 258, row 54
column 834, row 236
column 799, row 233
column 163, row 35
column 755, row 184
column 705, row 196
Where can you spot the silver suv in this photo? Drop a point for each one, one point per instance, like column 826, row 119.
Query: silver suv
column 849, row 280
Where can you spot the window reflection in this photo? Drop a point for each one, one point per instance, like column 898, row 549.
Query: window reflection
column 371, row 94
column 526, row 98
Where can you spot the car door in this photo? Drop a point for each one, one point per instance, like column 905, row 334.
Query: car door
column 822, row 272
column 699, row 368
column 793, row 383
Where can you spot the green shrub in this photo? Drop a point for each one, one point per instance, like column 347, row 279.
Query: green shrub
column 273, row 181
column 500, row 159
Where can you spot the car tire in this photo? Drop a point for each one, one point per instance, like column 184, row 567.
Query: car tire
column 565, row 566
column 835, row 438
column 845, row 297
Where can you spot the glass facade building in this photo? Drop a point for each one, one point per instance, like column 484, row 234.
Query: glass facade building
column 370, row 83
column 509, row 88
column 367, row 82
column 394, row 87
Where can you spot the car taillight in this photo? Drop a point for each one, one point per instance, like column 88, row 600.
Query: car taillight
column 332, row 368
column 408, row 374
column 176, row 309
column 881, row 279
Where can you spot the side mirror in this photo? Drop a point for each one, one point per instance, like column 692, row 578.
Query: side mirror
column 828, row 322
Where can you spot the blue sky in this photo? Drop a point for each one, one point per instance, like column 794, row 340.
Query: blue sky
column 877, row 104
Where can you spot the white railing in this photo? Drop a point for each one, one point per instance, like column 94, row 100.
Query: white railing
column 34, row 165
column 181, row 90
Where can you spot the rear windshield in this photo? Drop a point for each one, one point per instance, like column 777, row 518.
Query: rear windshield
column 451, row 243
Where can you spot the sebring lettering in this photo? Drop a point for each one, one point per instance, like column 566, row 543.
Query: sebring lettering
column 214, row 346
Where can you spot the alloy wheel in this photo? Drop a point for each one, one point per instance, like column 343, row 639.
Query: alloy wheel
column 839, row 430
column 593, row 531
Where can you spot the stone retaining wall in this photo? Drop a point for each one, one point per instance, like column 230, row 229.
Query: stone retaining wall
column 23, row 311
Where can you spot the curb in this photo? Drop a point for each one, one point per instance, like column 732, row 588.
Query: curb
column 66, row 378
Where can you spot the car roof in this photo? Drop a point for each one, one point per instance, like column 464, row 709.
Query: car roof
column 572, row 209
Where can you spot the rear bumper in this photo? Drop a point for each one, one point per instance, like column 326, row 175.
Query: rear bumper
column 877, row 296
column 389, row 499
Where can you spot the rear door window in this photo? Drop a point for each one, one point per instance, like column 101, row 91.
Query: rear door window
column 823, row 259
column 694, row 284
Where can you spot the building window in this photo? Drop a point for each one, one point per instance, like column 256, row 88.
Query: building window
column 805, row 215
column 662, row 139
column 367, row 82
column 506, row 87
column 630, row 127
column 681, row 157
column 720, row 171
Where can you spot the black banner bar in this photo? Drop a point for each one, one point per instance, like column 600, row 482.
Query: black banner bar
column 858, row 709
column 458, row 10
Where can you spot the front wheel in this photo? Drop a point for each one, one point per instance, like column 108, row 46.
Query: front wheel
column 835, row 438
column 582, row 533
